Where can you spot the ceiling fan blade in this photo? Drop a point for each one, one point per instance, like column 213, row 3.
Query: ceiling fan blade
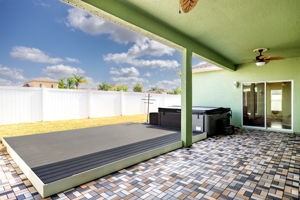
column 267, row 61
column 188, row 5
column 276, row 58
column 264, row 57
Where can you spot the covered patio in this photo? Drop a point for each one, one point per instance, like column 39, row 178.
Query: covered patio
column 223, row 33
column 251, row 164
column 247, row 165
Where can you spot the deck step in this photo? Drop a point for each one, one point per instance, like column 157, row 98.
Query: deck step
column 59, row 170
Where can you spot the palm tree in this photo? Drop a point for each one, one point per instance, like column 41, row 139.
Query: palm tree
column 62, row 83
column 78, row 80
column 70, row 83
column 105, row 86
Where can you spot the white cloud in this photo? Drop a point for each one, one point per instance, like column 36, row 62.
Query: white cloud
column 37, row 55
column 148, row 48
column 32, row 54
column 117, row 57
column 147, row 74
column 167, row 84
column 127, row 76
column 41, row 3
column 162, row 64
column 122, row 58
column 95, row 25
column 125, row 72
column 143, row 46
column 65, row 71
column 60, row 71
column 12, row 73
column 74, row 60
column 128, row 80
column 5, row 82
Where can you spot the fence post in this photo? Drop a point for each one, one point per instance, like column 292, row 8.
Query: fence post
column 89, row 103
column 43, row 103
column 121, row 102
column 144, row 104
column 164, row 99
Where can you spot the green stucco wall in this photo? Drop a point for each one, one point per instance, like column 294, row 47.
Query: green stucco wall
column 217, row 88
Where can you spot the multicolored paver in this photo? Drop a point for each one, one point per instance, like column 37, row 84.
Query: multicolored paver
column 247, row 165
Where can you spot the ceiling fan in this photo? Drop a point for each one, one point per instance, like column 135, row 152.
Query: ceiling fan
column 187, row 5
column 261, row 60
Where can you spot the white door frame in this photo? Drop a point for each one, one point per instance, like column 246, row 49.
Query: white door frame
column 265, row 106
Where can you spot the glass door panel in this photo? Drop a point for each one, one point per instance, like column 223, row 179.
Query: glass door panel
column 279, row 110
column 254, row 104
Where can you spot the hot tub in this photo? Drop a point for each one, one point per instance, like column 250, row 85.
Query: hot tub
column 212, row 120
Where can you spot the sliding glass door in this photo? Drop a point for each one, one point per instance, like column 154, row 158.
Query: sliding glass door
column 268, row 105
column 254, row 104
column 279, row 108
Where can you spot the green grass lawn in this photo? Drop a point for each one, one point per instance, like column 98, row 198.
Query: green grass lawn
column 44, row 127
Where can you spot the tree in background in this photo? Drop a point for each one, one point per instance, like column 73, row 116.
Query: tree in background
column 155, row 89
column 62, row 84
column 121, row 88
column 78, row 80
column 138, row 88
column 105, row 86
column 70, row 83
column 175, row 91
column 158, row 90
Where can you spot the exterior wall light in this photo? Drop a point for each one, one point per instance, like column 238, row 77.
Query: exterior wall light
column 236, row 84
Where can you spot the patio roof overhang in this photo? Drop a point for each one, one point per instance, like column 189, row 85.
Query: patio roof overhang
column 222, row 32
column 128, row 14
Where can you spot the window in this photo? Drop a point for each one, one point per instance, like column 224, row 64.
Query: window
column 276, row 100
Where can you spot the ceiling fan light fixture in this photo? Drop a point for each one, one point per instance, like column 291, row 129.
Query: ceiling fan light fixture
column 260, row 63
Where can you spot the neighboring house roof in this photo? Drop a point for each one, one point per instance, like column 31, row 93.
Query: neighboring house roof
column 205, row 67
column 47, row 80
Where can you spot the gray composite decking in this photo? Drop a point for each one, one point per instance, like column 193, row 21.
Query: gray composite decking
column 60, row 160
column 59, row 170
column 43, row 149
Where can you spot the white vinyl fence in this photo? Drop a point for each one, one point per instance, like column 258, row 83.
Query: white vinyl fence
column 18, row 104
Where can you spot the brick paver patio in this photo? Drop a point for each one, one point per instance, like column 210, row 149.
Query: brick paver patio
column 247, row 165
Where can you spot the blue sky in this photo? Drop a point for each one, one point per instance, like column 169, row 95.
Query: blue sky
column 47, row 38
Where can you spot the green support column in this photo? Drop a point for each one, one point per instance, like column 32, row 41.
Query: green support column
column 186, row 98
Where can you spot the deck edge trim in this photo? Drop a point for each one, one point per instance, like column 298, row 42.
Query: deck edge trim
column 83, row 177
column 33, row 178
column 197, row 138
column 55, row 187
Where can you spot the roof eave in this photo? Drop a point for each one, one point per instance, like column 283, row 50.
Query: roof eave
column 118, row 12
